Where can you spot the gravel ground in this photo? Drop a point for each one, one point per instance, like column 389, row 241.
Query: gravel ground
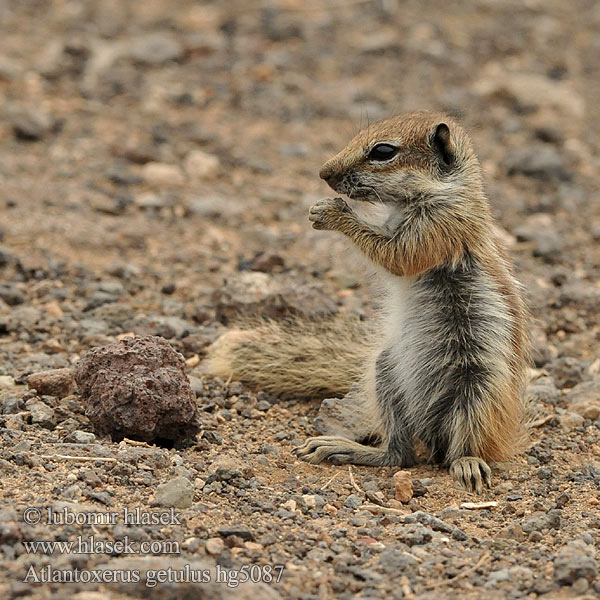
column 158, row 160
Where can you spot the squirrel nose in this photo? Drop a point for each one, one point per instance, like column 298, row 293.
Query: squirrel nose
column 330, row 176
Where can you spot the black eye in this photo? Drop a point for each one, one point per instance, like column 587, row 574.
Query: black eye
column 382, row 152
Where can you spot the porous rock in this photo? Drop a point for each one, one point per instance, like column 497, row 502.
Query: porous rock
column 138, row 388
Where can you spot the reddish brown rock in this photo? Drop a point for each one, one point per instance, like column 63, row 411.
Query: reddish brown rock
column 403, row 485
column 138, row 388
column 57, row 382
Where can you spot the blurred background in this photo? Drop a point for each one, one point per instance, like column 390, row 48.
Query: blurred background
column 151, row 149
column 157, row 162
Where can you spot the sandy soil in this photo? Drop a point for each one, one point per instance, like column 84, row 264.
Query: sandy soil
column 150, row 152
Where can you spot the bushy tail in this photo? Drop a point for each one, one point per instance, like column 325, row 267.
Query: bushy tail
column 311, row 359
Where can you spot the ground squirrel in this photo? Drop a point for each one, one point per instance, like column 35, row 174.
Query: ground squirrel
column 446, row 365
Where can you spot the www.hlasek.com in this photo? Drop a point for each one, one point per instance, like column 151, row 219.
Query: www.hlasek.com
column 93, row 544
column 152, row 577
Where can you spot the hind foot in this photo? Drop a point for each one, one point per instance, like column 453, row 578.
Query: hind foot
column 471, row 473
column 339, row 451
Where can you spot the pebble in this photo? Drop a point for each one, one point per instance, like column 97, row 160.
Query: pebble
column 31, row 125
column 178, row 492
column 214, row 546
column 197, row 385
column 574, row 562
column 584, row 399
column 309, row 501
column 570, row 420
column 155, row 49
column 81, row 437
column 200, row 165
column 162, row 174
column 403, row 485
column 543, row 390
column 237, row 530
column 353, row 501
column 11, row 294
column 7, row 468
column 41, row 414
column 541, row 231
column 540, row 161
column 57, row 382
column 12, row 405
column 7, row 381
column 415, row 534
column 255, row 294
column 541, row 522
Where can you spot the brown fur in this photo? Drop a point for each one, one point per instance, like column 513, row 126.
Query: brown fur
column 439, row 216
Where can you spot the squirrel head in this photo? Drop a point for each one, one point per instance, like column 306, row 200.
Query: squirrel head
column 412, row 156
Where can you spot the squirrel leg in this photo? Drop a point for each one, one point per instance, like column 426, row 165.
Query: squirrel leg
column 340, row 451
column 386, row 416
column 471, row 473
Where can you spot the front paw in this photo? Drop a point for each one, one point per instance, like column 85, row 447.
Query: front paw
column 328, row 213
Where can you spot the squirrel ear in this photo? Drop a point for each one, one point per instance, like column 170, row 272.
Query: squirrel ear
column 442, row 144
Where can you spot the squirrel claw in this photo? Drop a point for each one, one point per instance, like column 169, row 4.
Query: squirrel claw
column 324, row 213
column 471, row 473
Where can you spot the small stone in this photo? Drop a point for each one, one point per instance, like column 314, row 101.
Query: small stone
column 197, row 385
column 12, row 405
column 588, row 410
column 309, row 501
column 584, row 399
column 54, row 310
column 353, row 501
column 540, row 161
column 334, row 416
column 267, row 261
column 162, row 174
column 81, row 437
column 540, row 230
column 415, row 534
column 192, row 361
column 581, row 585
column 11, row 294
column 7, row 468
column 543, row 390
column 289, row 505
column 155, row 49
column 573, row 562
column 7, row 381
column 238, row 531
column 254, row 546
column 403, row 485
column 178, row 492
column 214, row 205
column 214, row 546
column 258, row 294
column 41, row 414
column 571, row 420
column 541, row 522
column 57, row 382
column 31, row 125
column 200, row 165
